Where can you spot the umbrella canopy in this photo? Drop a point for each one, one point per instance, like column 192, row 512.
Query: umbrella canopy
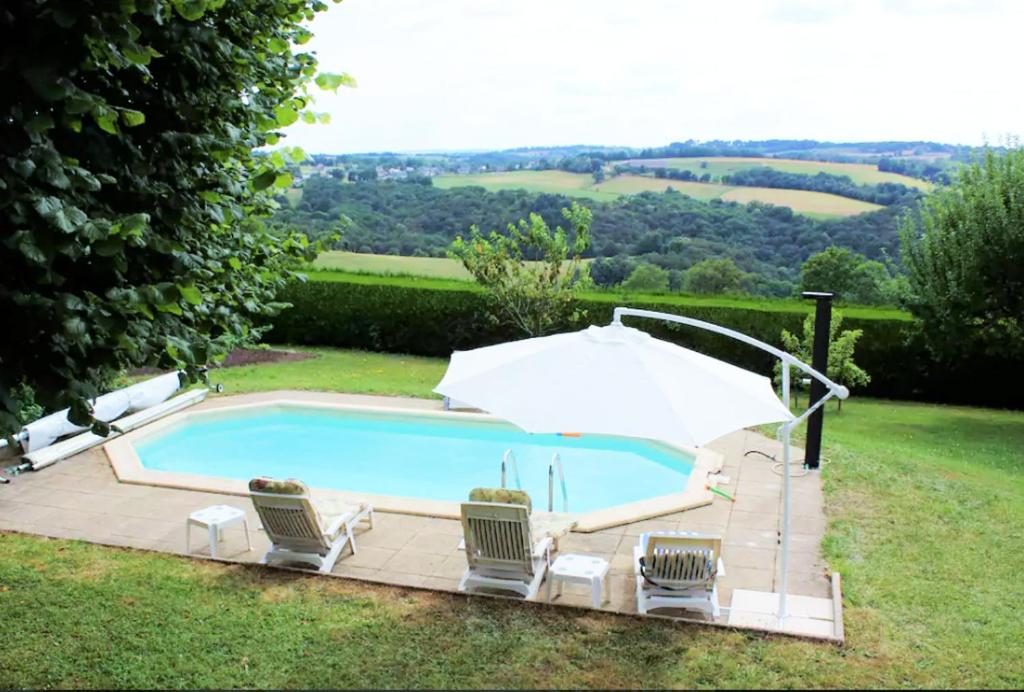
column 612, row 380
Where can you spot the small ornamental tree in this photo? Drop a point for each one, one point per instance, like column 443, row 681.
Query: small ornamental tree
column 964, row 257
column 130, row 194
column 532, row 276
column 841, row 347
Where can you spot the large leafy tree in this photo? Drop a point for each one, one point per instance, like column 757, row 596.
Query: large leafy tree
column 964, row 255
column 129, row 188
column 531, row 275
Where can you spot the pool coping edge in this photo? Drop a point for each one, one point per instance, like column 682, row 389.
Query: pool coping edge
column 128, row 468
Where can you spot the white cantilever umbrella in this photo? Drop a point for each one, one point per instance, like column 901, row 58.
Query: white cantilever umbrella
column 621, row 381
column 612, row 380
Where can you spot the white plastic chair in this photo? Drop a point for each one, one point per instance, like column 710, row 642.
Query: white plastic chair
column 298, row 530
column 500, row 549
column 678, row 570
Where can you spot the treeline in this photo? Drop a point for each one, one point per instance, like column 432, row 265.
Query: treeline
column 662, row 172
column 916, row 168
column 667, row 229
column 882, row 193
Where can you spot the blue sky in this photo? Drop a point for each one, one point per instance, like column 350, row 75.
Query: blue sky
column 489, row 74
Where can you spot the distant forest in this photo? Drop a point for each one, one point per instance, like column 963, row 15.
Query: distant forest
column 925, row 160
column 668, row 229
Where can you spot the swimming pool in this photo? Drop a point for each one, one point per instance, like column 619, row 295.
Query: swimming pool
column 430, row 456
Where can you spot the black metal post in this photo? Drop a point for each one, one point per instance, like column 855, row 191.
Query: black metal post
column 819, row 361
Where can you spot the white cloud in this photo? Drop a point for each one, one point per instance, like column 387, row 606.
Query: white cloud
column 470, row 74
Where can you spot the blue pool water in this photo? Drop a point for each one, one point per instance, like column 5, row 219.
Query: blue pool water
column 414, row 456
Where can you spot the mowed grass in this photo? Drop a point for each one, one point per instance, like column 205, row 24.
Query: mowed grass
column 925, row 505
column 817, row 204
column 717, row 166
column 395, row 265
column 633, row 184
column 442, row 268
column 554, row 182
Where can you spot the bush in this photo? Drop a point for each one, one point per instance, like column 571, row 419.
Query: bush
column 434, row 318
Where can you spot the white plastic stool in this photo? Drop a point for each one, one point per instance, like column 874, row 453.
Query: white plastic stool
column 580, row 569
column 215, row 519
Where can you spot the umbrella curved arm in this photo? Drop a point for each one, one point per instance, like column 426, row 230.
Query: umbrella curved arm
column 784, row 431
column 835, row 389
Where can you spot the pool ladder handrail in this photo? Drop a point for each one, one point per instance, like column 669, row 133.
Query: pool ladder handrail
column 556, row 462
column 507, row 460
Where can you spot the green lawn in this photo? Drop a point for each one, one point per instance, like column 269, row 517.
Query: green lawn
column 925, row 506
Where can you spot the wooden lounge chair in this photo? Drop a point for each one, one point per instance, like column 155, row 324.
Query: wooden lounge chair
column 678, row 570
column 301, row 530
column 500, row 549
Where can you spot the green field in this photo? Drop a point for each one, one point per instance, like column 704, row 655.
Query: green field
column 557, row 182
column 433, row 267
column 717, row 166
column 924, row 504
column 816, row 204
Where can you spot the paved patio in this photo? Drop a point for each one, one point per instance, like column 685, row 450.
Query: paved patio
column 80, row 498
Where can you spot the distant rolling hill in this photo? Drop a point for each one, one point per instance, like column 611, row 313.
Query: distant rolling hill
column 717, row 166
column 815, row 204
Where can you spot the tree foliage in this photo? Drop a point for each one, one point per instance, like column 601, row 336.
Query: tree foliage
column 668, row 229
column 532, row 276
column 841, row 347
column 965, row 260
column 851, row 276
column 646, row 278
column 129, row 191
column 713, row 276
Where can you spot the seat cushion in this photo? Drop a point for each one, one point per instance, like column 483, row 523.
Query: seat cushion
column 291, row 486
column 551, row 524
column 504, row 496
column 331, row 510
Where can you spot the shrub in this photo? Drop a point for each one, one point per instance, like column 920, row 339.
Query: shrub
column 434, row 318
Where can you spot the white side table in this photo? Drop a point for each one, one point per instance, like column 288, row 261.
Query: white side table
column 581, row 569
column 215, row 519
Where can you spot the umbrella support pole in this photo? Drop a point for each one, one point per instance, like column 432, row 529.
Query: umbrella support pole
column 785, row 431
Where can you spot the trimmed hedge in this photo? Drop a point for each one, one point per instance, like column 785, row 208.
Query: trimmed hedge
column 435, row 318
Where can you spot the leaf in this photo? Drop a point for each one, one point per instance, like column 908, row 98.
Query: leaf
column 283, row 180
column 172, row 308
column 190, row 9
column 53, row 174
column 106, row 119
column 75, row 327
column 44, row 82
column 132, row 118
column 23, row 167
column 39, row 123
column 297, row 155
column 264, row 180
column 190, row 294
column 277, row 45
column 135, row 223
column 308, row 117
column 234, row 263
column 285, row 115
column 330, row 81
